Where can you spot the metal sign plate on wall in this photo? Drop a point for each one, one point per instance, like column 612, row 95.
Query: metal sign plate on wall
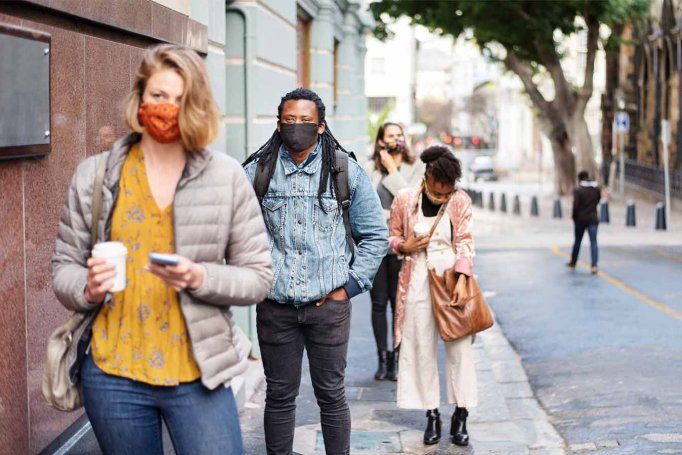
column 24, row 92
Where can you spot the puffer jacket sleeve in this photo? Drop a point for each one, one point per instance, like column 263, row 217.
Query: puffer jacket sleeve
column 69, row 262
column 246, row 277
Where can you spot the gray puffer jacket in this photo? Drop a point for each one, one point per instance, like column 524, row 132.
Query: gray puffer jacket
column 218, row 224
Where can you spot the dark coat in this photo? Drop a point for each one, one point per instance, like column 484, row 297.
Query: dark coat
column 586, row 198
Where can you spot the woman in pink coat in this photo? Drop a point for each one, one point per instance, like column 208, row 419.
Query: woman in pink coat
column 413, row 214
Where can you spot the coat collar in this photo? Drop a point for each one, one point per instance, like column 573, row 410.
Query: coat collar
column 196, row 161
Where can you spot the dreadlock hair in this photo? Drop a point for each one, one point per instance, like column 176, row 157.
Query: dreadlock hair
column 270, row 150
column 442, row 164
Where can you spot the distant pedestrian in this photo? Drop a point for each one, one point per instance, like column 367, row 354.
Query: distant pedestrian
column 586, row 198
column 392, row 168
column 164, row 348
column 414, row 213
column 328, row 236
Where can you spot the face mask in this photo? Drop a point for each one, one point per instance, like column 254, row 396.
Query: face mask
column 434, row 200
column 395, row 146
column 161, row 121
column 298, row 136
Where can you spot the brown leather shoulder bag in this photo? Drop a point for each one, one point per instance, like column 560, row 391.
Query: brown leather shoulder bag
column 458, row 303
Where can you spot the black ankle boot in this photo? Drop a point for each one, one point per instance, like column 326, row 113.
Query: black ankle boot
column 381, row 370
column 392, row 366
column 432, row 433
column 458, row 428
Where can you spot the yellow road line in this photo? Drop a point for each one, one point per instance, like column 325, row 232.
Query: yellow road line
column 630, row 290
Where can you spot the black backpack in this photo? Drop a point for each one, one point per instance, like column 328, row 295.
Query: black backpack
column 264, row 172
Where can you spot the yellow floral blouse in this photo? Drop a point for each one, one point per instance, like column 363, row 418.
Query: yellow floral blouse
column 141, row 333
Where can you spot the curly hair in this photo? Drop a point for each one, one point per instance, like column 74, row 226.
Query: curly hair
column 441, row 164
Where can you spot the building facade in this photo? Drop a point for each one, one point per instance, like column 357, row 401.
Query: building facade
column 255, row 51
column 644, row 72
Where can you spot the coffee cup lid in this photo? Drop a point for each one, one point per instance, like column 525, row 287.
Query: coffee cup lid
column 112, row 248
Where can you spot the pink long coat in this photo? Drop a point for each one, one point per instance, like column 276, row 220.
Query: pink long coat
column 403, row 218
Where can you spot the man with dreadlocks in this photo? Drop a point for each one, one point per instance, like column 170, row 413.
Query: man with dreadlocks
column 328, row 236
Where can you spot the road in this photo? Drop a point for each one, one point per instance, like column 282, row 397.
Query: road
column 603, row 353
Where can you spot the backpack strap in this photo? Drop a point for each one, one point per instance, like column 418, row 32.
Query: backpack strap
column 343, row 196
column 97, row 199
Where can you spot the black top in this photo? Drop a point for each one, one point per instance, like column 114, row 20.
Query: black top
column 429, row 208
column 585, row 202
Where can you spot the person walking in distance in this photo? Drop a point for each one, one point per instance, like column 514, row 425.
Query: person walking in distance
column 328, row 236
column 414, row 212
column 586, row 198
column 164, row 348
column 392, row 168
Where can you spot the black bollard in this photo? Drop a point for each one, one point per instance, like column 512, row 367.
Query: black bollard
column 604, row 216
column 517, row 205
column 491, row 202
column 534, row 207
column 557, row 209
column 503, row 203
column 630, row 219
column 479, row 198
column 660, row 217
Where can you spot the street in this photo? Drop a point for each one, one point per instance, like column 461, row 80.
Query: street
column 602, row 354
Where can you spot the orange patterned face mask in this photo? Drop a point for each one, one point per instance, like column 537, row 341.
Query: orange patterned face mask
column 161, row 121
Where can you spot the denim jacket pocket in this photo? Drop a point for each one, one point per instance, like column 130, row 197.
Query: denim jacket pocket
column 274, row 213
column 325, row 216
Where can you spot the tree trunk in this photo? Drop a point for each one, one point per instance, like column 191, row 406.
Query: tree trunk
column 564, row 160
column 582, row 146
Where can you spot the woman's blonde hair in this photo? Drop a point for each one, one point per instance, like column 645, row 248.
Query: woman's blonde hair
column 199, row 115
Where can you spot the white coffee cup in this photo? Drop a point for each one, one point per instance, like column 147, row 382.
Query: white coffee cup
column 421, row 228
column 115, row 253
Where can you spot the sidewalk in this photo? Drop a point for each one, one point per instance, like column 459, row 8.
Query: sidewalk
column 508, row 421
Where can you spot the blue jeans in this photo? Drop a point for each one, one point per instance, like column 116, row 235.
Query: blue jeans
column 592, row 232
column 126, row 415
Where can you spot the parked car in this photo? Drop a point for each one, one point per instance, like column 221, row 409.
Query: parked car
column 482, row 168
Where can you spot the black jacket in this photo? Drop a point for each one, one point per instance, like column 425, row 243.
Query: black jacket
column 585, row 201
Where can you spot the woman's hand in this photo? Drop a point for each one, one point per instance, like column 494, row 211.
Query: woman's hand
column 185, row 275
column 388, row 161
column 414, row 244
column 100, row 279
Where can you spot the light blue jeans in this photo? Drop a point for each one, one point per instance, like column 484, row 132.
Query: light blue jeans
column 126, row 415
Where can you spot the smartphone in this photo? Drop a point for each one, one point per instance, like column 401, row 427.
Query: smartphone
column 163, row 259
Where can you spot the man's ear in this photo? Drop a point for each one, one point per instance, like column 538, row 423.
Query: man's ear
column 321, row 127
column 279, row 124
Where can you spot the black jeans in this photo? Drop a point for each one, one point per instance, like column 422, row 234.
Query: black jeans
column 592, row 232
column 283, row 331
column 383, row 291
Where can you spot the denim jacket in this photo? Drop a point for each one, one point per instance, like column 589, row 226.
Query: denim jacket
column 310, row 254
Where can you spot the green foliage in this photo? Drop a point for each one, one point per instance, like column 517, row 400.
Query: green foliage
column 373, row 126
column 524, row 27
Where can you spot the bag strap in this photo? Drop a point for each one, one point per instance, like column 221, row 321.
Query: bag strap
column 441, row 211
column 343, row 196
column 97, row 199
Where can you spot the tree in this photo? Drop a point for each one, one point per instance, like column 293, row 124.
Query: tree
column 525, row 36
column 436, row 114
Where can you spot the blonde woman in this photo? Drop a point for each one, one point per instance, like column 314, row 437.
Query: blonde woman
column 414, row 212
column 164, row 348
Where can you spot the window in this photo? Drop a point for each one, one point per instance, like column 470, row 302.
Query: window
column 378, row 103
column 303, row 48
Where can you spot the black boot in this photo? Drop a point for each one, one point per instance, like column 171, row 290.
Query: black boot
column 432, row 433
column 381, row 370
column 392, row 366
column 458, row 430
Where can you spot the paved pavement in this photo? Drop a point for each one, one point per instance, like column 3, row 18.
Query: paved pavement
column 508, row 420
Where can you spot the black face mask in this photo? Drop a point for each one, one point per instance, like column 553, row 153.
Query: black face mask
column 298, row 136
